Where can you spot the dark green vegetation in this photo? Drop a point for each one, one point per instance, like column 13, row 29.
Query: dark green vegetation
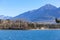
column 57, row 21
column 23, row 25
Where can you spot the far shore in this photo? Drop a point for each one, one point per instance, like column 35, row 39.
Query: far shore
column 30, row 29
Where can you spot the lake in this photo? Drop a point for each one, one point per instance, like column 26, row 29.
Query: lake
column 29, row 34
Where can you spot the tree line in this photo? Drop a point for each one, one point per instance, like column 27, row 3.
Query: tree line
column 24, row 25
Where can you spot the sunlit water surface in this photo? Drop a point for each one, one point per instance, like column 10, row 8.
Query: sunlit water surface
column 29, row 34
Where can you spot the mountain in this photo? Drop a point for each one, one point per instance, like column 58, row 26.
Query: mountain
column 4, row 17
column 47, row 12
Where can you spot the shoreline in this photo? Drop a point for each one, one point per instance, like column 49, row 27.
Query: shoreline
column 32, row 29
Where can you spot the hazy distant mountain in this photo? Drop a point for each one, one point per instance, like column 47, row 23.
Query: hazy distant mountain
column 4, row 17
column 44, row 13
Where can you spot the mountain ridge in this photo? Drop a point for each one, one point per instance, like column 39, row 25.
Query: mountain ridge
column 47, row 12
column 4, row 17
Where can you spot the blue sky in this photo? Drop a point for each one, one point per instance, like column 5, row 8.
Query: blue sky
column 16, row 7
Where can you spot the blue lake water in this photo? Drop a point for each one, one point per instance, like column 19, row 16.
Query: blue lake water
column 29, row 34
